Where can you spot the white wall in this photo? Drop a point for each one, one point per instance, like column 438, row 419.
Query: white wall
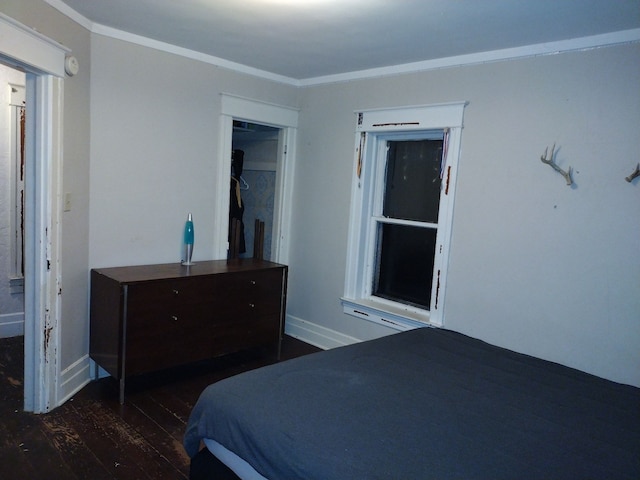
column 155, row 140
column 536, row 266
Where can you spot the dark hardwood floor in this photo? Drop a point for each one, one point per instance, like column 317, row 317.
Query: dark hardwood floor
column 93, row 437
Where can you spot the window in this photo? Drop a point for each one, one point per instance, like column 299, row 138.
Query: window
column 406, row 228
column 401, row 212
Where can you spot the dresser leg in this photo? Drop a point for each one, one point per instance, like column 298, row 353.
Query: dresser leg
column 121, row 391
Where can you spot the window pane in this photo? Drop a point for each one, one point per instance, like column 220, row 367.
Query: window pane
column 413, row 180
column 404, row 264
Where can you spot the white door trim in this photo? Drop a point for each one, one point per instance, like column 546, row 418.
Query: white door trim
column 285, row 118
column 26, row 48
column 43, row 61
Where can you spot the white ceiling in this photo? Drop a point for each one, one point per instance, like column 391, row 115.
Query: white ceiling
column 304, row 39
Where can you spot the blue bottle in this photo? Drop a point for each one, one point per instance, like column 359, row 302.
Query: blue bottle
column 188, row 241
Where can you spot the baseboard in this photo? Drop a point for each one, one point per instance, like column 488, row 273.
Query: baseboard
column 73, row 378
column 317, row 335
column 12, row 325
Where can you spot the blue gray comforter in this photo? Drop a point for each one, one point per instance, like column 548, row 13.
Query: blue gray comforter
column 427, row 403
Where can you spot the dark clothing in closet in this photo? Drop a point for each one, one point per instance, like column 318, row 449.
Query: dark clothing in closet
column 236, row 205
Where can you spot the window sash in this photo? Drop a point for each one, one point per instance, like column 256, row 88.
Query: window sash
column 412, row 180
column 378, row 162
column 404, row 263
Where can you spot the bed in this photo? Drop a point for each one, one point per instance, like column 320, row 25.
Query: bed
column 426, row 403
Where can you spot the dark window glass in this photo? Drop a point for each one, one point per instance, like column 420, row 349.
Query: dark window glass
column 413, row 180
column 404, row 263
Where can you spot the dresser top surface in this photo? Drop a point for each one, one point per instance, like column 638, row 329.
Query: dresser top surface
column 141, row 273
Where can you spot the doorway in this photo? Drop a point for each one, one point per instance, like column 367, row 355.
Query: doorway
column 278, row 127
column 254, row 172
column 42, row 61
column 12, row 163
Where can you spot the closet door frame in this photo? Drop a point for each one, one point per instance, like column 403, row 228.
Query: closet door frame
column 286, row 120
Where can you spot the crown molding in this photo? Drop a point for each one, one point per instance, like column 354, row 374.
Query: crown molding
column 541, row 49
column 71, row 13
column 110, row 32
column 192, row 54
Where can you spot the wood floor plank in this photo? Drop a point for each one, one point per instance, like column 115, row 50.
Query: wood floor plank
column 74, row 452
column 155, row 433
column 93, row 436
column 180, row 397
column 42, row 454
column 123, row 452
column 24, row 444
column 14, row 462
column 172, row 424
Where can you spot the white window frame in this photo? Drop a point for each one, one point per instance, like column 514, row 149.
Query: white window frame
column 374, row 129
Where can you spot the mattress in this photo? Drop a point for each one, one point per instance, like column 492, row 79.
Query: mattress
column 427, row 403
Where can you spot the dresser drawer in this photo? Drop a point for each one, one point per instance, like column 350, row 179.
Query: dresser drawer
column 251, row 293
column 157, row 352
column 165, row 293
column 170, row 319
column 162, row 305
column 147, row 354
column 190, row 342
column 233, row 336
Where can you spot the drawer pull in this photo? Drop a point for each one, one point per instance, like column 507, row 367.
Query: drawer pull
column 253, row 282
column 252, row 305
column 174, row 318
column 176, row 291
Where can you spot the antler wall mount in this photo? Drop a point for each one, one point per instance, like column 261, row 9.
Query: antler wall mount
column 551, row 162
column 634, row 174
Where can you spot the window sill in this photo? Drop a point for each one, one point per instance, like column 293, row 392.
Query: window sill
column 390, row 316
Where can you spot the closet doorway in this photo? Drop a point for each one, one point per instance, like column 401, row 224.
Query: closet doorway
column 254, row 170
column 266, row 134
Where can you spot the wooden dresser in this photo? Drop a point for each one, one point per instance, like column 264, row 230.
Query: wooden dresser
column 150, row 317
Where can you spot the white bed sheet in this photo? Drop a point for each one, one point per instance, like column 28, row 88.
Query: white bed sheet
column 239, row 466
